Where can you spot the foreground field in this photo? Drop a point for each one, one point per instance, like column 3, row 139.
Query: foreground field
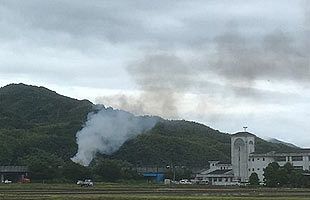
column 144, row 192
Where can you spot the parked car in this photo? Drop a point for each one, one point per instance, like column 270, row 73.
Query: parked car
column 175, row 182
column 185, row 182
column 203, row 182
column 85, row 183
column 7, row 182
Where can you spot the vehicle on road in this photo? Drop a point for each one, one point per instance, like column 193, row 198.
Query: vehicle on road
column 7, row 182
column 85, row 183
column 185, row 182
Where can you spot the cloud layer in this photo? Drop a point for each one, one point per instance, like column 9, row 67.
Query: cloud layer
column 211, row 61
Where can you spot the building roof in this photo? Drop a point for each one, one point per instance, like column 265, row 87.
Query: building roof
column 224, row 163
column 275, row 154
column 218, row 171
column 13, row 169
column 243, row 134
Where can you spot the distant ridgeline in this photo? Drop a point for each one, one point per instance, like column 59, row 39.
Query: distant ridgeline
column 38, row 125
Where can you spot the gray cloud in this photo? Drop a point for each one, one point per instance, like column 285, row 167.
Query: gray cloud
column 217, row 49
column 163, row 78
column 277, row 57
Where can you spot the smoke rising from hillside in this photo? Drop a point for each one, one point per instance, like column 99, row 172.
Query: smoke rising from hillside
column 106, row 130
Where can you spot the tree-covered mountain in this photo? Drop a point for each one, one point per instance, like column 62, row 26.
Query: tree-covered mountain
column 184, row 143
column 35, row 119
column 38, row 128
column 24, row 106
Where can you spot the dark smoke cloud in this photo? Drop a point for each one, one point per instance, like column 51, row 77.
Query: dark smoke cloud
column 239, row 60
column 126, row 102
column 163, row 78
column 277, row 56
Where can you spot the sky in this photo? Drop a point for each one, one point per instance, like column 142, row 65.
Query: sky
column 223, row 63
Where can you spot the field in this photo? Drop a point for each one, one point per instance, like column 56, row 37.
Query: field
column 144, row 192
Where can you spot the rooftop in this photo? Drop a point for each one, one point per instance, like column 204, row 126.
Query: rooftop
column 274, row 153
column 217, row 172
column 224, row 163
column 243, row 134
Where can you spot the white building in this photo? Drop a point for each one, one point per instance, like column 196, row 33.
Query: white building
column 218, row 174
column 244, row 162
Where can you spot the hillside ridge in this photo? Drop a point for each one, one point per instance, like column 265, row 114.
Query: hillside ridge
column 36, row 121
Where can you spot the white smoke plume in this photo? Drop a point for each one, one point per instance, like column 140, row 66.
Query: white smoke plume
column 106, row 130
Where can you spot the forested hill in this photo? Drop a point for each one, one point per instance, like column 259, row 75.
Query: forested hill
column 37, row 123
column 185, row 143
column 38, row 126
column 24, row 106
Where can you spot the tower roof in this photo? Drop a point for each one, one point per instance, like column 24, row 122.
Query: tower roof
column 243, row 134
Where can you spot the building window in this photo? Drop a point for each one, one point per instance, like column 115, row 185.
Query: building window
column 226, row 180
column 253, row 169
column 281, row 159
column 257, row 158
column 257, row 169
column 263, row 159
column 253, row 159
column 220, row 179
column 297, row 158
column 249, row 170
column 249, row 159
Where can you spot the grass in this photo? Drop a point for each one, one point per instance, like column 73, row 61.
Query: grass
column 122, row 191
column 137, row 197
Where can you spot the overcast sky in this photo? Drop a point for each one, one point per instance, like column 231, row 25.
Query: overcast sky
column 225, row 63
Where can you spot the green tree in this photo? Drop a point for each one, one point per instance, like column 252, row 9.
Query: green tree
column 286, row 175
column 271, row 174
column 44, row 166
column 73, row 171
column 106, row 169
column 254, row 180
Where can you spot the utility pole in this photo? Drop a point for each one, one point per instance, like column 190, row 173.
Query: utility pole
column 173, row 173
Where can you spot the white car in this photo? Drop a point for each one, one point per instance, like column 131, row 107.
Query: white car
column 7, row 182
column 79, row 182
column 185, row 182
column 86, row 183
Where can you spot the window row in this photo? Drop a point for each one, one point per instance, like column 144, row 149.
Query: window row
column 253, row 159
column 253, row 169
column 221, row 179
column 288, row 158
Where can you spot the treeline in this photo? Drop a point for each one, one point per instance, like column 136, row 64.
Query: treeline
column 51, row 169
column 282, row 176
